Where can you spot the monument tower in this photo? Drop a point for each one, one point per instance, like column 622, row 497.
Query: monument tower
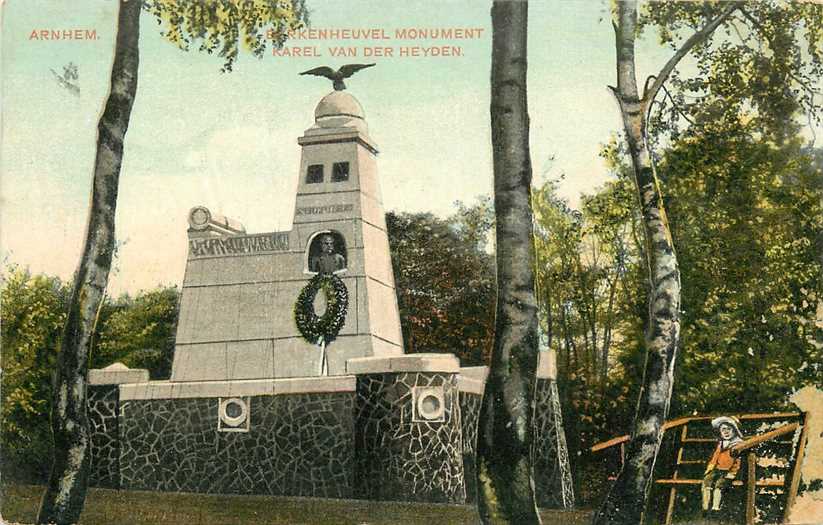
column 239, row 291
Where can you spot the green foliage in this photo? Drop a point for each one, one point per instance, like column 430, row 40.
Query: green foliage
column 742, row 195
column 224, row 26
column 445, row 281
column 591, row 294
column 33, row 314
column 138, row 332
column 743, row 199
column 746, row 216
column 763, row 67
column 747, row 222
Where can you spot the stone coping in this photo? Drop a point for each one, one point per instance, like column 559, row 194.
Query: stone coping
column 320, row 135
column 117, row 374
column 404, row 363
column 472, row 379
column 241, row 387
column 478, row 373
column 470, row 386
column 546, row 364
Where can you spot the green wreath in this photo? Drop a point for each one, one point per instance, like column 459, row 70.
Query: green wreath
column 317, row 329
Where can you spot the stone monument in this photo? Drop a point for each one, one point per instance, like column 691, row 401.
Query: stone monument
column 252, row 406
column 239, row 290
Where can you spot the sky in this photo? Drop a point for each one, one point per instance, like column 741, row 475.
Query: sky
column 228, row 141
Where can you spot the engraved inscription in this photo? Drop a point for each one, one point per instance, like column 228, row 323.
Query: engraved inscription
column 318, row 210
column 265, row 242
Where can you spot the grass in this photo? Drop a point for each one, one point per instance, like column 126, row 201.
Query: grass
column 105, row 507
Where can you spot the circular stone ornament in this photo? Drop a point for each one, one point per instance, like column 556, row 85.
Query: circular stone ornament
column 233, row 411
column 199, row 218
column 318, row 329
column 430, row 405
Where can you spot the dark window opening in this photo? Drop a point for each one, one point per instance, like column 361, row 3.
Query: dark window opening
column 314, row 174
column 340, row 172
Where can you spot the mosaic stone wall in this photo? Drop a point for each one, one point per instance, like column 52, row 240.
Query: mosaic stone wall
column 398, row 459
column 552, row 475
column 297, row 445
column 105, row 444
column 470, row 416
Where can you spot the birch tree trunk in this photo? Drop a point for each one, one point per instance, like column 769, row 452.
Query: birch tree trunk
column 626, row 501
column 504, row 474
column 66, row 491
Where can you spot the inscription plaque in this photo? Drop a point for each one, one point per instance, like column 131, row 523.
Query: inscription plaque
column 245, row 244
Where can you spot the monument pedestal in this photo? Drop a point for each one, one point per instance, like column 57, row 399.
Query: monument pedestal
column 408, row 431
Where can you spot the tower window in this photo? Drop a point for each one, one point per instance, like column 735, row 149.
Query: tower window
column 340, row 172
column 314, row 174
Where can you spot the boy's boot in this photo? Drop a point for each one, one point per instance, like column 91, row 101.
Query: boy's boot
column 716, row 503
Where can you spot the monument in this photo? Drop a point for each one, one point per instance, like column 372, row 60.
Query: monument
column 268, row 396
column 239, row 290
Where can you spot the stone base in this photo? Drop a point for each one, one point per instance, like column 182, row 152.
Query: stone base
column 403, row 452
column 295, row 445
column 400, row 428
column 104, row 409
column 550, row 456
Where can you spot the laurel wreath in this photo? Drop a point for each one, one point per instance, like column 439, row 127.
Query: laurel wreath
column 318, row 329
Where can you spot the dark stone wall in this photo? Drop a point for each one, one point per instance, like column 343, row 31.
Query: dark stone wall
column 104, row 470
column 297, row 445
column 470, row 416
column 399, row 459
column 548, row 452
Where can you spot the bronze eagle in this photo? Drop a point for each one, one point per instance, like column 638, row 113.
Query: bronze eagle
column 337, row 76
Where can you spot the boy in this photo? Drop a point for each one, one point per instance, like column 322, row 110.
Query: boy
column 722, row 467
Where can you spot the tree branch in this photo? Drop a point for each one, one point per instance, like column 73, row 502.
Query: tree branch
column 759, row 28
column 696, row 38
column 674, row 104
column 743, row 39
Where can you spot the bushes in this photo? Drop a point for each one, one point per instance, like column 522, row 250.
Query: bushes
column 137, row 331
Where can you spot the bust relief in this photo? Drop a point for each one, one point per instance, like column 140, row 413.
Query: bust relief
column 327, row 253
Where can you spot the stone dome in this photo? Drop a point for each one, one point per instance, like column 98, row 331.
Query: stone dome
column 338, row 104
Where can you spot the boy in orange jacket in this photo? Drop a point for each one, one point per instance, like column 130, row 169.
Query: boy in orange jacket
column 722, row 467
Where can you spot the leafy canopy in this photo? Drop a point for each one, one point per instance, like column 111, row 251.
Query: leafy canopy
column 226, row 26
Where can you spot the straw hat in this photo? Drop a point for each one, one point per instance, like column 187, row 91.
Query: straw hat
column 731, row 421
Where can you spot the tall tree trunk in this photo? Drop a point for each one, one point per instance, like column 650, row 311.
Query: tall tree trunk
column 64, row 497
column 626, row 501
column 627, row 498
column 504, row 474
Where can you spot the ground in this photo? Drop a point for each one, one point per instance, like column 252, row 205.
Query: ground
column 104, row 507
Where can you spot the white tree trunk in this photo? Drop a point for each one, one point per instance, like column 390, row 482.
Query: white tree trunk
column 66, row 491
column 627, row 498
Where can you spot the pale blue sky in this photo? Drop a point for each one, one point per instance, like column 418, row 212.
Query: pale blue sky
column 228, row 141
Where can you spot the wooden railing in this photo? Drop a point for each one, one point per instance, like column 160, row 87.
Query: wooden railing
column 674, row 423
column 745, row 447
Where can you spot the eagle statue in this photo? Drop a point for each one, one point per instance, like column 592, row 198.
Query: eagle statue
column 337, row 76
